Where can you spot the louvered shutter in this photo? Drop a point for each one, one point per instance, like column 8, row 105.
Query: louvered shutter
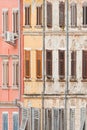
column 61, row 64
column 5, row 121
column 84, row 65
column 17, row 73
column 49, row 15
column 83, row 119
column 62, row 14
column 48, row 119
column 73, row 64
column 39, row 15
column 39, row 64
column 13, row 21
column 27, row 64
column 36, row 119
column 73, row 14
column 6, row 21
column 55, row 119
column 24, row 119
column 61, row 119
column 17, row 21
column 72, row 119
column 15, row 121
column 27, row 15
column 49, row 64
column 7, row 74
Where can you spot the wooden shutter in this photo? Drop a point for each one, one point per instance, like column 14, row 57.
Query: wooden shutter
column 39, row 64
column 17, row 73
column 73, row 14
column 36, row 119
column 13, row 21
column 72, row 119
column 73, row 64
column 7, row 74
column 17, row 21
column 49, row 63
column 49, row 15
column 62, row 14
column 27, row 15
column 5, row 21
column 83, row 119
column 61, row 64
column 61, row 119
column 27, row 64
column 84, row 65
column 48, row 119
column 55, row 119
column 39, row 15
column 5, row 121
column 15, row 121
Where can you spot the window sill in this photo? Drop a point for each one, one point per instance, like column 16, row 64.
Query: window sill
column 73, row 26
column 84, row 80
column 4, row 87
column 27, row 26
column 61, row 80
column 27, row 79
column 39, row 79
column 38, row 26
column 73, row 80
column 84, row 26
column 15, row 87
column 50, row 80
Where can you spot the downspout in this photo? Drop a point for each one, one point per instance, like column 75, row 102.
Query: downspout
column 67, row 64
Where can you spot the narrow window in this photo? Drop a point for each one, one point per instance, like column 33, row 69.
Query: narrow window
column 15, row 21
column 55, row 119
column 73, row 64
column 72, row 119
column 49, row 64
column 39, row 64
column 39, row 15
column 5, row 121
column 85, row 14
column 49, row 15
column 73, row 15
column 5, row 74
column 5, row 20
column 15, row 121
column 61, row 119
column 27, row 63
column 62, row 14
column 28, row 15
column 84, row 65
column 48, row 119
column 83, row 119
column 61, row 64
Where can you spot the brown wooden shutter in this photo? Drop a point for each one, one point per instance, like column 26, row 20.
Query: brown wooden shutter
column 62, row 14
column 25, row 15
column 84, row 65
column 17, row 73
column 39, row 15
column 61, row 64
column 49, row 64
column 39, row 64
column 27, row 64
column 17, row 22
column 49, row 15
column 73, row 64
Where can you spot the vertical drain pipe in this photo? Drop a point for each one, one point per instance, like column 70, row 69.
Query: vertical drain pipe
column 67, row 64
column 43, row 91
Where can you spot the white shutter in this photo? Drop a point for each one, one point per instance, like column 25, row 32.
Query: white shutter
column 48, row 119
column 61, row 119
column 83, row 119
column 72, row 119
column 55, row 119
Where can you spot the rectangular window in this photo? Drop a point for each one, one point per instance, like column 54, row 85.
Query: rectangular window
column 39, row 15
column 61, row 119
column 27, row 63
column 49, row 15
column 61, row 64
column 85, row 14
column 39, row 64
column 5, row 121
column 73, row 15
column 15, row 121
column 62, row 14
column 15, row 73
column 48, row 119
column 28, row 15
column 73, row 64
column 84, row 65
column 5, row 20
column 55, row 119
column 72, row 119
column 49, row 64
column 83, row 119
column 5, row 74
column 15, row 21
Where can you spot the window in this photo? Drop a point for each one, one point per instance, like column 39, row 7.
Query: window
column 15, row 21
column 55, row 119
column 61, row 119
column 39, row 64
column 83, row 119
column 15, row 121
column 61, row 64
column 5, row 120
column 28, row 15
column 73, row 15
column 49, row 15
column 84, row 65
column 49, row 64
column 72, row 119
column 5, row 73
column 39, row 15
column 48, row 119
column 27, row 63
column 5, row 20
column 15, row 73
column 62, row 14
column 85, row 14
column 73, row 64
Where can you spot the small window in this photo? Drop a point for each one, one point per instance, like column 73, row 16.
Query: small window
column 5, row 20
column 85, row 14
column 84, row 65
column 15, row 21
column 49, row 15
column 73, row 64
column 73, row 15
column 5, row 121
column 28, row 15
column 39, row 15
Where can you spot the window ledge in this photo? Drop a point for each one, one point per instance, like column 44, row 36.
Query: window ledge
column 27, row 26
column 73, row 80
column 27, row 79
column 15, row 87
column 4, row 87
column 84, row 80
column 61, row 80
column 49, row 80
column 84, row 26
column 39, row 79
column 38, row 26
column 73, row 26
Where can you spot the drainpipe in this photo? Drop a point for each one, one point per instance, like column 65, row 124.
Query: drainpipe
column 43, row 122
column 67, row 64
